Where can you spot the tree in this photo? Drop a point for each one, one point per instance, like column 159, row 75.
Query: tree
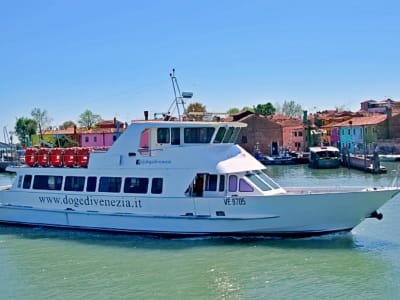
column 265, row 109
column 24, row 129
column 232, row 111
column 41, row 118
column 67, row 124
column 196, row 110
column 291, row 109
column 88, row 119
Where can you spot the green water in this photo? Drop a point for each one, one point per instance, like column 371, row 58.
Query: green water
column 38, row 263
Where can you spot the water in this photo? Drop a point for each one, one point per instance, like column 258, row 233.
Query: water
column 38, row 263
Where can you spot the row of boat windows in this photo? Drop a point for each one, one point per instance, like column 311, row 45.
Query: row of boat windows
column 140, row 185
column 131, row 185
column 235, row 183
column 197, row 135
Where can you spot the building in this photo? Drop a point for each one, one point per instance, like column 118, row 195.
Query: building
column 374, row 106
column 104, row 134
column 262, row 135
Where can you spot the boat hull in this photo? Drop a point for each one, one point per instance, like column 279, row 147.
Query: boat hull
column 300, row 214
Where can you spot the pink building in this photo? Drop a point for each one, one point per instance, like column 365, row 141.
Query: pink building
column 103, row 135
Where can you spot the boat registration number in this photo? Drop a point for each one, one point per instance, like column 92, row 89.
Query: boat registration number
column 234, row 201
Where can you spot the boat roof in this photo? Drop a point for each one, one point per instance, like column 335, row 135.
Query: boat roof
column 162, row 123
column 323, row 148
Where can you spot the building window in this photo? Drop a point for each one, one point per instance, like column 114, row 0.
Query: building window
column 300, row 133
column 95, row 139
column 86, row 139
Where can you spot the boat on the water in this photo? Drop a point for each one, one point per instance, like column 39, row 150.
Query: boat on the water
column 283, row 159
column 324, row 157
column 180, row 177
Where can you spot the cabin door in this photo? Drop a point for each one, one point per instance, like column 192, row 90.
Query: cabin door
column 200, row 203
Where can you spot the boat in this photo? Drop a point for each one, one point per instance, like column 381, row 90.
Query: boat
column 389, row 157
column 282, row 159
column 181, row 178
column 324, row 157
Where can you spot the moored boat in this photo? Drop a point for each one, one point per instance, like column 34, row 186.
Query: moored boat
column 324, row 157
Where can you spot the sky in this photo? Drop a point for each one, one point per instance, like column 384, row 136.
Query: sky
column 114, row 57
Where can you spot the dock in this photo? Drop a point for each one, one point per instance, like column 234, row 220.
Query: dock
column 366, row 163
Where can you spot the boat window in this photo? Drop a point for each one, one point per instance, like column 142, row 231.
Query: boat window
column 136, row 185
column 244, row 186
column 268, row 180
column 74, row 183
column 47, row 182
column 110, row 184
column 198, row 135
column 235, row 135
column 27, row 182
column 232, row 183
column 211, row 182
column 228, row 135
column 91, row 184
column 163, row 135
column 258, row 182
column 221, row 183
column 220, row 135
column 144, row 142
column 175, row 136
column 156, row 185
column 19, row 181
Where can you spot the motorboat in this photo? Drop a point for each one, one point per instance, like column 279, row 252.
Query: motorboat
column 324, row 157
column 180, row 178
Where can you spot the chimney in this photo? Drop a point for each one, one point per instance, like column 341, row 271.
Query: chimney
column 146, row 115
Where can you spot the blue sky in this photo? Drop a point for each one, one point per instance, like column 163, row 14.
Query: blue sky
column 114, row 57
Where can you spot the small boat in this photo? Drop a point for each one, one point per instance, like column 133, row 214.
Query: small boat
column 389, row 157
column 181, row 178
column 324, row 157
column 282, row 159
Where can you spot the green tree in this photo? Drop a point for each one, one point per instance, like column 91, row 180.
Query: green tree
column 88, row 119
column 291, row 109
column 67, row 124
column 247, row 108
column 42, row 119
column 232, row 111
column 196, row 110
column 24, row 129
column 265, row 109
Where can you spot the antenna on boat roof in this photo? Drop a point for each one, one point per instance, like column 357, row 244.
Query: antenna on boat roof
column 178, row 103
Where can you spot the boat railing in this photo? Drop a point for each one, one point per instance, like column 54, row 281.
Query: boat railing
column 323, row 190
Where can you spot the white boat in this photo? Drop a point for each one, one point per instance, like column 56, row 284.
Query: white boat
column 324, row 157
column 181, row 178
